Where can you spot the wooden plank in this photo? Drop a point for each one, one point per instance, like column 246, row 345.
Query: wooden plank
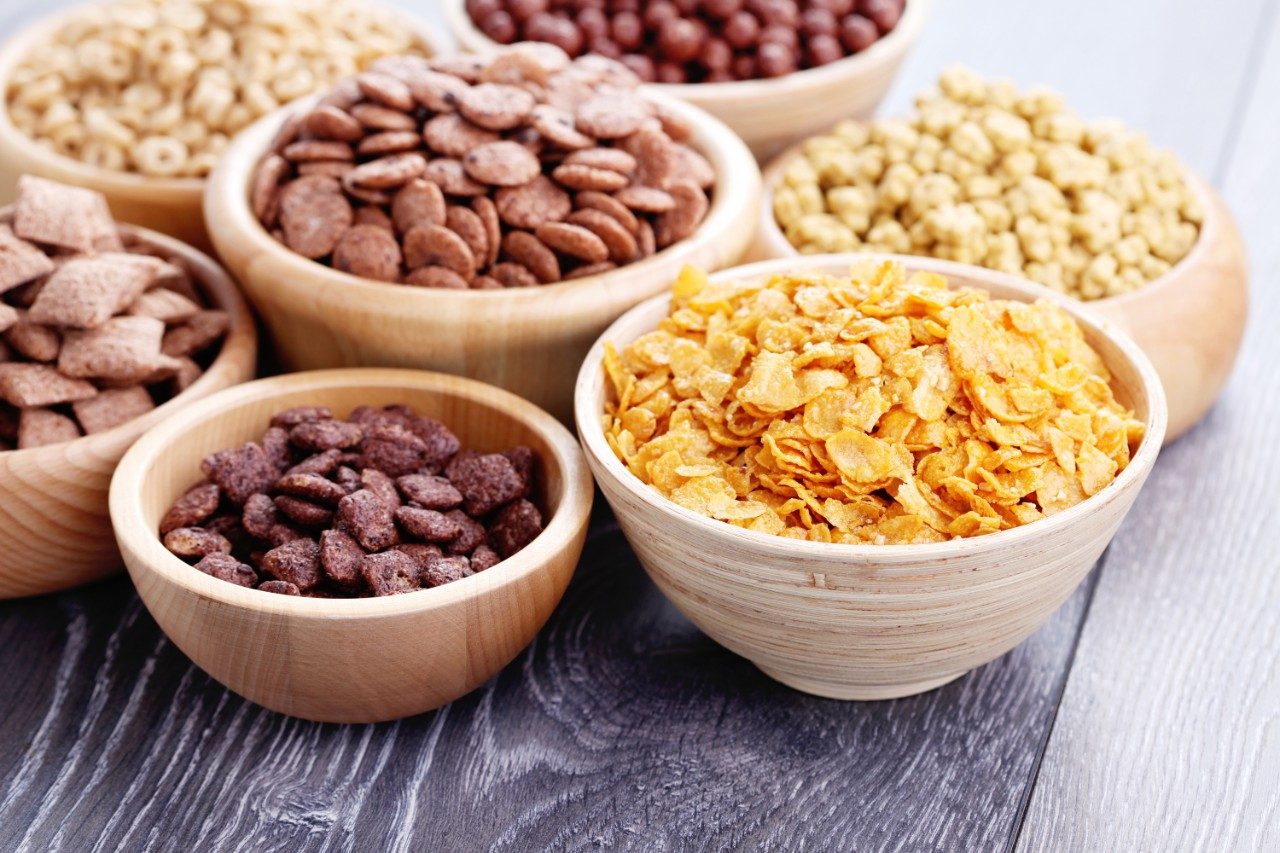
column 1169, row 732
column 622, row 725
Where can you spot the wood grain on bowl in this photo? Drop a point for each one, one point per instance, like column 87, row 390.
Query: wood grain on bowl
column 528, row 340
column 353, row 660
column 769, row 114
column 55, row 532
column 170, row 206
column 1190, row 321
column 867, row 621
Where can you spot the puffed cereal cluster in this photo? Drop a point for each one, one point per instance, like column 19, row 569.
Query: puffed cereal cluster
column 159, row 87
column 984, row 174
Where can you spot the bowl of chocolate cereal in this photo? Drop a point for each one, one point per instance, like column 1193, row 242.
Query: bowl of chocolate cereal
column 773, row 70
column 981, row 172
column 484, row 216
column 353, row 545
column 137, row 99
column 105, row 330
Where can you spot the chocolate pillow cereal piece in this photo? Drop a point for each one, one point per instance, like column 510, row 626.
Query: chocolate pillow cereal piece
column 370, row 521
column 123, row 349
column 368, row 251
column 196, row 542
column 20, row 262
column 420, row 552
column 165, row 305
column 240, row 472
column 32, row 340
column 317, row 436
column 340, row 557
column 472, row 535
column 85, row 292
column 25, row 385
column 194, row 507
column 381, row 485
column 8, row 318
column 63, row 216
column 280, row 588
column 296, row 562
column 303, row 513
column 486, row 482
column 515, row 526
column 225, row 567
column 427, row 524
column 442, row 570
column 275, row 442
column 314, row 214
column 484, row 557
column 441, row 443
column 290, row 418
column 260, row 516
column 112, row 407
column 390, row 573
column 311, row 487
column 323, row 464
column 429, row 491
column 196, row 334
column 38, row 427
column 394, row 450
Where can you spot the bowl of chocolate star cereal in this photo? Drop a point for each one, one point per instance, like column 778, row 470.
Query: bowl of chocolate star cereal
column 867, row 474
column 483, row 216
column 137, row 99
column 983, row 173
column 105, row 330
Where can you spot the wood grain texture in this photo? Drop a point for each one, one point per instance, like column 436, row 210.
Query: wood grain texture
column 171, row 206
column 1173, row 705
column 528, row 340
column 363, row 660
column 54, row 529
column 868, row 621
column 770, row 114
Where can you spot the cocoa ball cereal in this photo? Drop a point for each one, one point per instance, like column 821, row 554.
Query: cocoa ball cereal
column 381, row 503
column 686, row 41
column 95, row 328
column 158, row 87
column 519, row 170
column 984, row 174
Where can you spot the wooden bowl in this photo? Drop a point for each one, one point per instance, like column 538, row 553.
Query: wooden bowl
column 527, row 340
column 352, row 660
column 1190, row 321
column 169, row 205
column 55, row 532
column 770, row 114
column 868, row 621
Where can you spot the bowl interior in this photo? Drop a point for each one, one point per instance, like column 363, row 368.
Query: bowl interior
column 166, row 462
column 1133, row 380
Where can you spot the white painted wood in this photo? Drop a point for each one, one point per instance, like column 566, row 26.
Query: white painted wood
column 1168, row 736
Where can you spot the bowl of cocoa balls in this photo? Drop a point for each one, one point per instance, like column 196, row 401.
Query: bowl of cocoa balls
column 773, row 70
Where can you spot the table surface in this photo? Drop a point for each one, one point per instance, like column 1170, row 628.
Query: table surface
column 1144, row 715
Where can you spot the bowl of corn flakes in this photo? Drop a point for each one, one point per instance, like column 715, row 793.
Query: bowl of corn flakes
column 983, row 173
column 867, row 474
column 137, row 99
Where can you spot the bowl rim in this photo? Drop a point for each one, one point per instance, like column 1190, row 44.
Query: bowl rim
column 241, row 340
column 899, row 39
column 1208, row 232
column 125, row 499
column 112, row 181
column 738, row 182
column 591, row 433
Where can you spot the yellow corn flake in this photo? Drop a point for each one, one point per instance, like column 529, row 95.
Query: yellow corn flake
column 874, row 408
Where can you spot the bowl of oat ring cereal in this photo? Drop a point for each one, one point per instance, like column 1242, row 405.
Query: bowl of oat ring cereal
column 773, row 70
column 137, row 99
column 981, row 172
column 867, row 474
column 483, row 216
column 105, row 330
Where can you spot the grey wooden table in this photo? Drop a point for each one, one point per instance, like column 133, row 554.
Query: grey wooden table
column 1144, row 716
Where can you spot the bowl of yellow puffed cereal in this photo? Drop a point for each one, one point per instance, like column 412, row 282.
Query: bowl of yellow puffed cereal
column 867, row 474
column 983, row 173
column 137, row 99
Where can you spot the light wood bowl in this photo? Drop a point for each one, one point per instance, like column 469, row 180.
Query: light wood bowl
column 55, row 532
column 1190, row 321
column 352, row 660
column 866, row 621
column 770, row 114
column 528, row 340
column 169, row 205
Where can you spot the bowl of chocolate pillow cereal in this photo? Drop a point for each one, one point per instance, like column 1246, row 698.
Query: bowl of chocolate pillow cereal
column 105, row 329
column 353, row 545
column 773, row 70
